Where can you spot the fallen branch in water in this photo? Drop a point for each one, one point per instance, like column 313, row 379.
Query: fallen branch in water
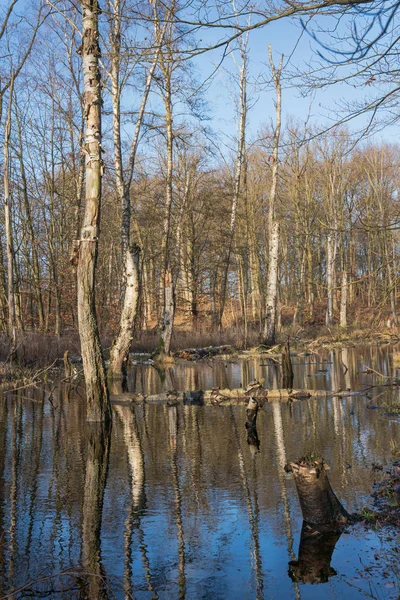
column 34, row 378
column 369, row 370
column 217, row 397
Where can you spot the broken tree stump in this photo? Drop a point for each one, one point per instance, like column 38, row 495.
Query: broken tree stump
column 320, row 507
column 287, row 368
column 68, row 370
column 315, row 555
column 251, row 425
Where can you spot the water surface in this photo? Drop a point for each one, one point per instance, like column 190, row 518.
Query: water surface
column 174, row 503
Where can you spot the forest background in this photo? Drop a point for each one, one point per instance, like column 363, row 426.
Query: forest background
column 224, row 219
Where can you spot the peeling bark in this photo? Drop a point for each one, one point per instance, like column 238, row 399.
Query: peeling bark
column 119, row 352
column 98, row 404
column 273, row 225
column 12, row 321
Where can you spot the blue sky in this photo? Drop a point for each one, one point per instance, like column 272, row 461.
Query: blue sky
column 284, row 38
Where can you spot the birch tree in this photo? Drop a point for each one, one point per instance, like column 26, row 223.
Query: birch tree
column 238, row 177
column 98, row 404
column 12, row 323
column 119, row 352
column 273, row 223
column 168, row 65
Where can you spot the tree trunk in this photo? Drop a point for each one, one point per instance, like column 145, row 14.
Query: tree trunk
column 343, row 300
column 167, row 325
column 12, row 324
column 272, row 287
column 119, row 352
column 287, row 368
column 330, row 275
column 238, row 176
column 98, row 405
column 273, row 225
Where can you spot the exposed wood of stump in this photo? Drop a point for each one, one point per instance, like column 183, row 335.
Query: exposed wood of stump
column 315, row 555
column 320, row 507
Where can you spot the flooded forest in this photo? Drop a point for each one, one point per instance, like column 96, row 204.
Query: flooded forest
column 199, row 283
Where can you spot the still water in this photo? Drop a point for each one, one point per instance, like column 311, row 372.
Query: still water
column 174, row 503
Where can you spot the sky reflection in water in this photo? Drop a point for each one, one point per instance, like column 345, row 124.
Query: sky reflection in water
column 188, row 510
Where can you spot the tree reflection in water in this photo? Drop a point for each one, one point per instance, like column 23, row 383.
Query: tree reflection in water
column 94, row 583
column 137, row 505
column 315, row 555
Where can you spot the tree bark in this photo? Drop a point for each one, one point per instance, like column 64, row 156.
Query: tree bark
column 273, row 225
column 98, row 404
column 12, row 324
column 330, row 275
column 343, row 300
column 287, row 368
column 119, row 352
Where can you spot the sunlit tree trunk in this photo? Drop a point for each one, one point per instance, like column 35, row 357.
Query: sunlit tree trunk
column 273, row 225
column 330, row 274
column 240, row 153
column 12, row 324
column 167, row 296
column 119, row 351
column 98, row 404
column 343, row 300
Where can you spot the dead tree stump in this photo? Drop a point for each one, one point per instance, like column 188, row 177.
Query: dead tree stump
column 320, row 507
column 287, row 368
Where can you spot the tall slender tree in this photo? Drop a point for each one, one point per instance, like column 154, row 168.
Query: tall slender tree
column 98, row 403
column 273, row 223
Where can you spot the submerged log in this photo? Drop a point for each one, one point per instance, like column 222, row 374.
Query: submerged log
column 251, row 425
column 315, row 555
column 224, row 397
column 320, row 507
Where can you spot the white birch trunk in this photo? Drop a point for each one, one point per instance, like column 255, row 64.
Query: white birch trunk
column 238, row 174
column 98, row 404
column 167, row 312
column 273, row 225
column 12, row 325
column 343, row 300
column 330, row 275
column 168, row 316
column 119, row 352
column 272, row 286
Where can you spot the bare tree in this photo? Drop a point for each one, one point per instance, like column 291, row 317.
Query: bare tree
column 98, row 403
column 119, row 351
column 273, row 224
